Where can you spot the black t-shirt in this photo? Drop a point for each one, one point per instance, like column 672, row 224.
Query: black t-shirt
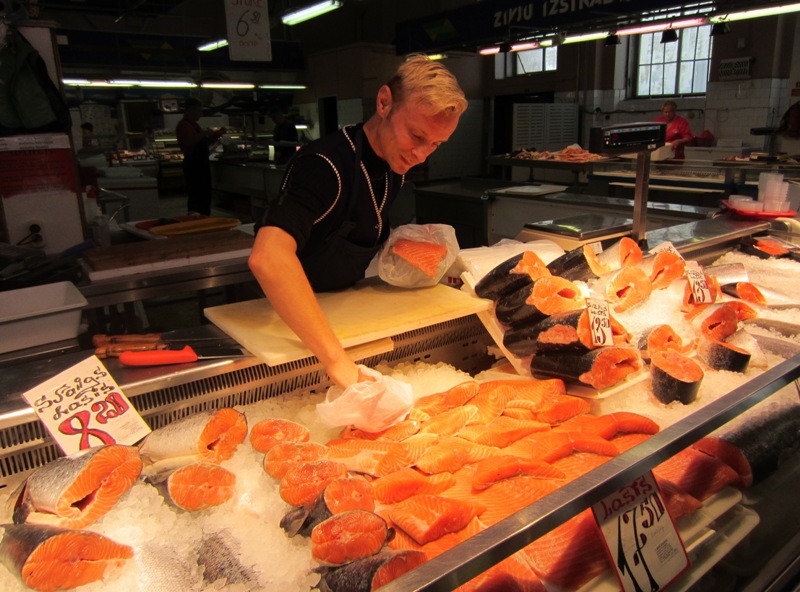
column 315, row 200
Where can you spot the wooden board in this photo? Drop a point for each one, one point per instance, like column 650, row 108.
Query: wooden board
column 370, row 311
column 177, row 248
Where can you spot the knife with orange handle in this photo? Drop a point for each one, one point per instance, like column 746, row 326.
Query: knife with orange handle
column 185, row 355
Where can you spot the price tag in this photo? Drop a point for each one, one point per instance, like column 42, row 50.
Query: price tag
column 665, row 246
column 83, row 407
column 701, row 294
column 642, row 542
column 599, row 322
column 596, row 247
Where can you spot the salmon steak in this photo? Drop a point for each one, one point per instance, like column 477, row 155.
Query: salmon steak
column 269, row 432
column 348, row 536
column 284, row 455
column 663, row 268
column 660, row 338
column 47, row 558
column 675, row 377
column 339, row 496
column 304, row 482
column 423, row 255
column 74, row 492
column 627, row 288
column 206, row 436
column 623, row 253
column 200, row 486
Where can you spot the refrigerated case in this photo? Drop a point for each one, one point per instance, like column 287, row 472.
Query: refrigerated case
column 463, row 342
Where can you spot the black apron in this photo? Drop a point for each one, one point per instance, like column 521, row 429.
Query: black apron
column 340, row 263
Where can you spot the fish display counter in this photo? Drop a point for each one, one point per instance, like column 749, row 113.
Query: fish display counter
column 489, row 479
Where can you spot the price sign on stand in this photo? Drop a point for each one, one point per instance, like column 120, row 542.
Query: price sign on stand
column 600, row 322
column 642, row 542
column 83, row 407
column 701, row 293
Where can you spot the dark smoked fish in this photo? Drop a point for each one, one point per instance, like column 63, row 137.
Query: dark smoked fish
column 510, row 275
column 566, row 331
column 599, row 368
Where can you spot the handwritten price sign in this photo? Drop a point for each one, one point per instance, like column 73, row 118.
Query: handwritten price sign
column 642, row 542
column 701, row 293
column 83, row 407
column 600, row 322
column 248, row 30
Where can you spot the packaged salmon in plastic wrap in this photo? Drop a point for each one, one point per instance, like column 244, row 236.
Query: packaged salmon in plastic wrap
column 371, row 405
column 417, row 255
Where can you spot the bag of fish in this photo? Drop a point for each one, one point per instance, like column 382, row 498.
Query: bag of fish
column 417, row 255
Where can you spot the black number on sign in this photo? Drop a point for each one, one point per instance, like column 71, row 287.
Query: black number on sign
column 242, row 26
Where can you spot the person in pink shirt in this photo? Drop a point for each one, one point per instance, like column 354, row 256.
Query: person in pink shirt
column 679, row 133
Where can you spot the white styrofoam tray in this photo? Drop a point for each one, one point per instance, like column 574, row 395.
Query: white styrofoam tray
column 39, row 314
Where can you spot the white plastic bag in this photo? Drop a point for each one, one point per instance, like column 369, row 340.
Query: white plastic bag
column 372, row 405
column 398, row 271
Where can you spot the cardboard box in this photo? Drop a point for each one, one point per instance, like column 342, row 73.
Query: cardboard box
column 39, row 315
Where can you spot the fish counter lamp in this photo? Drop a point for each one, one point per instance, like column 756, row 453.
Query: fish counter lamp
column 640, row 138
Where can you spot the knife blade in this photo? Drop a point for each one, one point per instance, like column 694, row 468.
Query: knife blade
column 176, row 355
column 199, row 334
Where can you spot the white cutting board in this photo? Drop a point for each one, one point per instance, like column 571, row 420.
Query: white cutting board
column 370, row 311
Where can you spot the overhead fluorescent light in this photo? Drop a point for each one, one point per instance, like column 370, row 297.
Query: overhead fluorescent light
column 157, row 83
column 587, row 37
column 76, row 81
column 489, row 50
column 524, row 46
column 311, row 11
column 757, row 12
column 228, row 85
column 437, row 56
column 663, row 26
column 301, row 126
column 213, row 45
column 283, row 86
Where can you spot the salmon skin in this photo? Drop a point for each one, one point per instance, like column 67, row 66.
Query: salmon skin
column 760, row 295
column 512, row 274
column 74, row 492
column 219, row 555
column 566, row 331
column 675, row 377
column 765, row 248
column 546, row 296
column 369, row 573
column 207, row 436
column 50, row 558
column 572, row 266
column 599, row 368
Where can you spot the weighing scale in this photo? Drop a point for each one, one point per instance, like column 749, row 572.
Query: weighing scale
column 574, row 231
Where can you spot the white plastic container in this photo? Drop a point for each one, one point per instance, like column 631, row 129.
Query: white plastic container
column 776, row 205
column 39, row 315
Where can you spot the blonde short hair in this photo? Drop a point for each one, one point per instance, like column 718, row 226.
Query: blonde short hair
column 429, row 84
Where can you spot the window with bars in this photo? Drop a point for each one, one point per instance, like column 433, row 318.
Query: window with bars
column 678, row 68
column 531, row 61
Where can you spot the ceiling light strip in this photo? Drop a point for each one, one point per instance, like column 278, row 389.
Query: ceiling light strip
column 309, row 12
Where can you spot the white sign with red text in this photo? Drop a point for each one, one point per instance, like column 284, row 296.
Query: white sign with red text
column 83, row 407
column 644, row 546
